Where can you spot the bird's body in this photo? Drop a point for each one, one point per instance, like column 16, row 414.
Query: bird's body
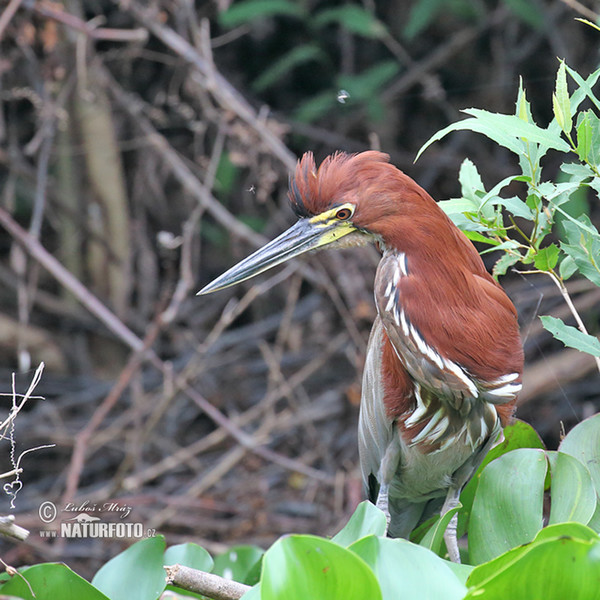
column 444, row 359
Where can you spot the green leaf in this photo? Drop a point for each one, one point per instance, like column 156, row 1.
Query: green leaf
column 316, row 107
column 407, row 571
column 238, row 563
column 584, row 136
column 507, row 509
column 434, row 538
column 421, row 15
column 504, row 263
column 299, row 567
column 546, row 258
column 353, row 18
column 539, row 569
column 50, row 581
column 582, row 245
column 246, row 11
column 583, row 442
column 560, row 100
column 508, row 131
column 567, row 267
column 135, row 574
column 299, row 55
column 366, row 520
column 571, row 336
column 190, row 555
column 517, row 435
column 470, row 182
column 573, row 497
column 527, row 11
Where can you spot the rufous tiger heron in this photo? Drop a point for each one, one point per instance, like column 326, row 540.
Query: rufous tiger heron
column 444, row 359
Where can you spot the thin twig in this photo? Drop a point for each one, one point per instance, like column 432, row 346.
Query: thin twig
column 208, row 584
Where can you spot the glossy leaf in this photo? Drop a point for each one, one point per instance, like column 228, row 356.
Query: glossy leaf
column 562, row 562
column 50, row 581
column 583, row 442
column 135, row 574
column 507, row 509
column 571, row 336
column 298, row 567
column 189, row 555
column 238, row 562
column 366, row 520
column 405, row 570
column 517, row 435
column 573, row 495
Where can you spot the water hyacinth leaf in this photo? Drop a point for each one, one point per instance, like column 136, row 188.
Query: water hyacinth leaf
column 507, row 509
column 143, row 564
column 571, row 336
column 405, row 570
column 366, row 520
column 434, row 538
column 539, row 570
column 583, row 442
column 573, row 495
column 298, row 567
column 238, row 562
column 517, row 435
column 50, row 581
column 189, row 555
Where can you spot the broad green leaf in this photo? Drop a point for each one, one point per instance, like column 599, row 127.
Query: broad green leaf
column 253, row 593
column 583, row 442
column 458, row 205
column 571, row 336
column 560, row 100
column 238, row 562
column 353, row 18
column 143, row 565
column 299, row 567
column 407, row 571
column 516, row 206
column 298, row 55
column 546, row 258
column 552, row 569
column 50, row 581
column 246, row 11
column 366, row 520
column 507, row 509
column 573, row 497
column 189, row 555
column 517, row 435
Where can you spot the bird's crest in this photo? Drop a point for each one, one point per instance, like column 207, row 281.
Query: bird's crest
column 313, row 190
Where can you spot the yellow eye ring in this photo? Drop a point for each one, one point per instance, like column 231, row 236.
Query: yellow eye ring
column 343, row 214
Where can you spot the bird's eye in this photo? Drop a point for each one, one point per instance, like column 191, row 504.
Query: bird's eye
column 343, row 214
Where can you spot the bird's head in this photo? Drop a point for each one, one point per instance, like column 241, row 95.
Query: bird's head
column 349, row 200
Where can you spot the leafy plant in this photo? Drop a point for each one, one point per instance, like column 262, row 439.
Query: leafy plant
column 535, row 229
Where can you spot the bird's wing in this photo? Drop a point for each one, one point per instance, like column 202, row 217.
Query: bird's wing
column 457, row 351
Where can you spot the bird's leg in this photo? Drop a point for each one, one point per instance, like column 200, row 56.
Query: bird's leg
column 450, row 533
column 387, row 470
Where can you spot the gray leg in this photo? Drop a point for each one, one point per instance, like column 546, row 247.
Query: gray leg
column 387, row 471
column 450, row 533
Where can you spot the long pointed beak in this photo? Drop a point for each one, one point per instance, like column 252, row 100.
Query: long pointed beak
column 305, row 235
